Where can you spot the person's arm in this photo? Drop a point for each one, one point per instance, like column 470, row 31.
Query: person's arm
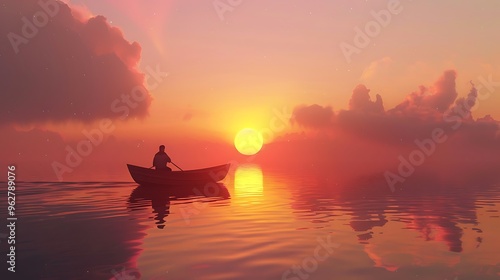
column 168, row 158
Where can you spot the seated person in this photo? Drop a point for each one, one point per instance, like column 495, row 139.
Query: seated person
column 161, row 159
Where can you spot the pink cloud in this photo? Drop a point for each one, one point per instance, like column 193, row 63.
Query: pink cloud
column 66, row 69
column 360, row 101
column 415, row 117
column 314, row 116
column 366, row 139
column 437, row 98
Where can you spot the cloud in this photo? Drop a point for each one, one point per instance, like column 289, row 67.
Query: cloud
column 416, row 116
column 437, row 98
column 313, row 116
column 360, row 101
column 68, row 68
column 368, row 139
column 375, row 67
column 462, row 107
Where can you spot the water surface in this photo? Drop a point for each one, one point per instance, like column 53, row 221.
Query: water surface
column 256, row 225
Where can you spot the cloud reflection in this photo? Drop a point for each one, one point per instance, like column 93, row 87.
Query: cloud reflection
column 435, row 218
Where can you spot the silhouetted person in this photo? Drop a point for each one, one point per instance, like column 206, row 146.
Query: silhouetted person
column 161, row 159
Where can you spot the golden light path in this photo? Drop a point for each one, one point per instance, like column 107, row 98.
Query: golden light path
column 248, row 181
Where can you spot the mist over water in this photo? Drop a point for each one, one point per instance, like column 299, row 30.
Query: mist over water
column 260, row 224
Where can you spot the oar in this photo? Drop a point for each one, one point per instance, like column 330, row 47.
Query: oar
column 171, row 163
column 176, row 166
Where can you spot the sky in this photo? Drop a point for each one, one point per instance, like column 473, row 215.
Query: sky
column 88, row 86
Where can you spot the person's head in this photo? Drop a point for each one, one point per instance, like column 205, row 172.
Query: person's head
column 162, row 148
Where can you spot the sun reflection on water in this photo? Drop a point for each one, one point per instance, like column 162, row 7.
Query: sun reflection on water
column 248, row 181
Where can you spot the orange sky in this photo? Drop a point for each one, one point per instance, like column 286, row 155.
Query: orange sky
column 211, row 73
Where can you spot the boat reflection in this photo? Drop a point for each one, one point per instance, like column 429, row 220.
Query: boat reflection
column 159, row 198
column 69, row 231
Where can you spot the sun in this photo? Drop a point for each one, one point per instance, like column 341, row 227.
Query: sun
column 248, row 141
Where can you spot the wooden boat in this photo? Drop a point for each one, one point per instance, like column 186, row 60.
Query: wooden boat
column 151, row 177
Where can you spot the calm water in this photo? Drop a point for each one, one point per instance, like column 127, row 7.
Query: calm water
column 258, row 225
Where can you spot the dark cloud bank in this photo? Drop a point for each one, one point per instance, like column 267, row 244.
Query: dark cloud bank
column 55, row 66
column 432, row 133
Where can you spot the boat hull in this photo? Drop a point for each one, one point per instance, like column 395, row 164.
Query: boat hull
column 161, row 178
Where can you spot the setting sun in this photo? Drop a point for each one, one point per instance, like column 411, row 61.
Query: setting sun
column 248, row 141
column 231, row 139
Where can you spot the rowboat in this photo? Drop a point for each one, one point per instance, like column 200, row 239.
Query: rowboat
column 151, row 177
